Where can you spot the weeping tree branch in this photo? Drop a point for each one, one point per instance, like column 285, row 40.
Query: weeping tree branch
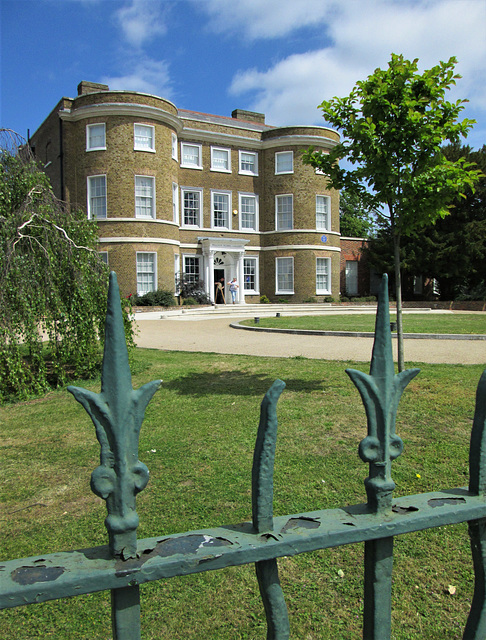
column 52, row 281
column 49, row 223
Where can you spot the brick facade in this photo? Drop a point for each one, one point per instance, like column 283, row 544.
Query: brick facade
column 354, row 271
column 138, row 191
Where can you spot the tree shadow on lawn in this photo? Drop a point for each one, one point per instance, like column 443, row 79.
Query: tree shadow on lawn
column 236, row 383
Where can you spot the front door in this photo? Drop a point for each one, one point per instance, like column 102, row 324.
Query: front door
column 351, row 277
column 219, row 292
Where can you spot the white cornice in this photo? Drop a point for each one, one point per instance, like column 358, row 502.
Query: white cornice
column 106, row 109
column 204, row 135
column 138, row 220
column 249, row 249
column 320, row 232
column 299, row 140
column 301, row 247
column 138, row 240
column 188, row 245
column 235, row 123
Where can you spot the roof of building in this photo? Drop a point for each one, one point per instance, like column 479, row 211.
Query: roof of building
column 214, row 119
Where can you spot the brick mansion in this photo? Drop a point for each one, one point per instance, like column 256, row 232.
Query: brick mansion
column 180, row 192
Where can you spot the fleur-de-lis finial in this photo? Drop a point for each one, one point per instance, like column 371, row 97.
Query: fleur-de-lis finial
column 381, row 391
column 117, row 414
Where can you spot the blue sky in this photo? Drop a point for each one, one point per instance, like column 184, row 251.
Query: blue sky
column 279, row 57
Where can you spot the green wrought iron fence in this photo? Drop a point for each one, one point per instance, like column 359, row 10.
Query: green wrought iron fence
column 117, row 413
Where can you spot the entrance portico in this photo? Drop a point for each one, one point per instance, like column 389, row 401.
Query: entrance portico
column 225, row 255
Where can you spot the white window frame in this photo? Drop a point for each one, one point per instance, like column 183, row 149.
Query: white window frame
column 228, row 195
column 327, row 272
column 242, row 195
column 279, row 157
column 174, row 146
column 214, row 160
column 145, row 197
column 247, row 172
column 256, row 289
column 279, row 261
column 327, row 213
column 183, row 191
column 177, row 273
column 103, row 256
column 142, row 291
column 151, row 138
column 191, row 165
column 197, row 259
column 89, row 129
column 91, row 196
column 175, row 202
column 278, row 211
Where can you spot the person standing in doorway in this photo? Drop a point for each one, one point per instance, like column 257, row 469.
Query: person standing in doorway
column 233, row 287
column 220, row 292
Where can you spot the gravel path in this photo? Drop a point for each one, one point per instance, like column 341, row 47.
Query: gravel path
column 215, row 335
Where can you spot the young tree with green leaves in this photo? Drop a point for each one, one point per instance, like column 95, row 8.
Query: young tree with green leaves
column 393, row 125
column 356, row 220
column 53, row 285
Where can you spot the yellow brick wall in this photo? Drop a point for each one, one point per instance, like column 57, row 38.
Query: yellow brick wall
column 121, row 163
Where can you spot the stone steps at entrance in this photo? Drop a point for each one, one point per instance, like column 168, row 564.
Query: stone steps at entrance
column 259, row 310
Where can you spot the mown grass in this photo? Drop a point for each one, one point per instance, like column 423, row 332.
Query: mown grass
column 412, row 323
column 197, row 440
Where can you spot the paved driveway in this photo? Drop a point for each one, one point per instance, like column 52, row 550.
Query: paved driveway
column 216, row 335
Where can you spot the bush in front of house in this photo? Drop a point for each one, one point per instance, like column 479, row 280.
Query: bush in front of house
column 159, row 298
column 192, row 289
column 364, row 299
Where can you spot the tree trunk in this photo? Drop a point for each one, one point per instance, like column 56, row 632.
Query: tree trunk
column 398, row 292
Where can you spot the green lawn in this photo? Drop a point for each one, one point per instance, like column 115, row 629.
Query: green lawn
column 412, row 323
column 197, row 440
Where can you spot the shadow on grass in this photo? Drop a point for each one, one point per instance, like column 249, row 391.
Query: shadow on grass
column 235, row 383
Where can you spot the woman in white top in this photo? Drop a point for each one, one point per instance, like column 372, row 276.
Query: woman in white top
column 233, row 287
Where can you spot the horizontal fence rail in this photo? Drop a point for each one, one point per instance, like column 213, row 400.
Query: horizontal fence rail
column 125, row 563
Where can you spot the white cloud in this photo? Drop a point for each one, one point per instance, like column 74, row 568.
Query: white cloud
column 361, row 37
column 290, row 91
column 265, row 18
column 145, row 75
column 141, row 21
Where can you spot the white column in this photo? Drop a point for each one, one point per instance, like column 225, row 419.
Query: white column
column 240, row 278
column 205, row 271
column 209, row 260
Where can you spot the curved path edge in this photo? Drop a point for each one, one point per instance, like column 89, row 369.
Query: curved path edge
column 360, row 334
